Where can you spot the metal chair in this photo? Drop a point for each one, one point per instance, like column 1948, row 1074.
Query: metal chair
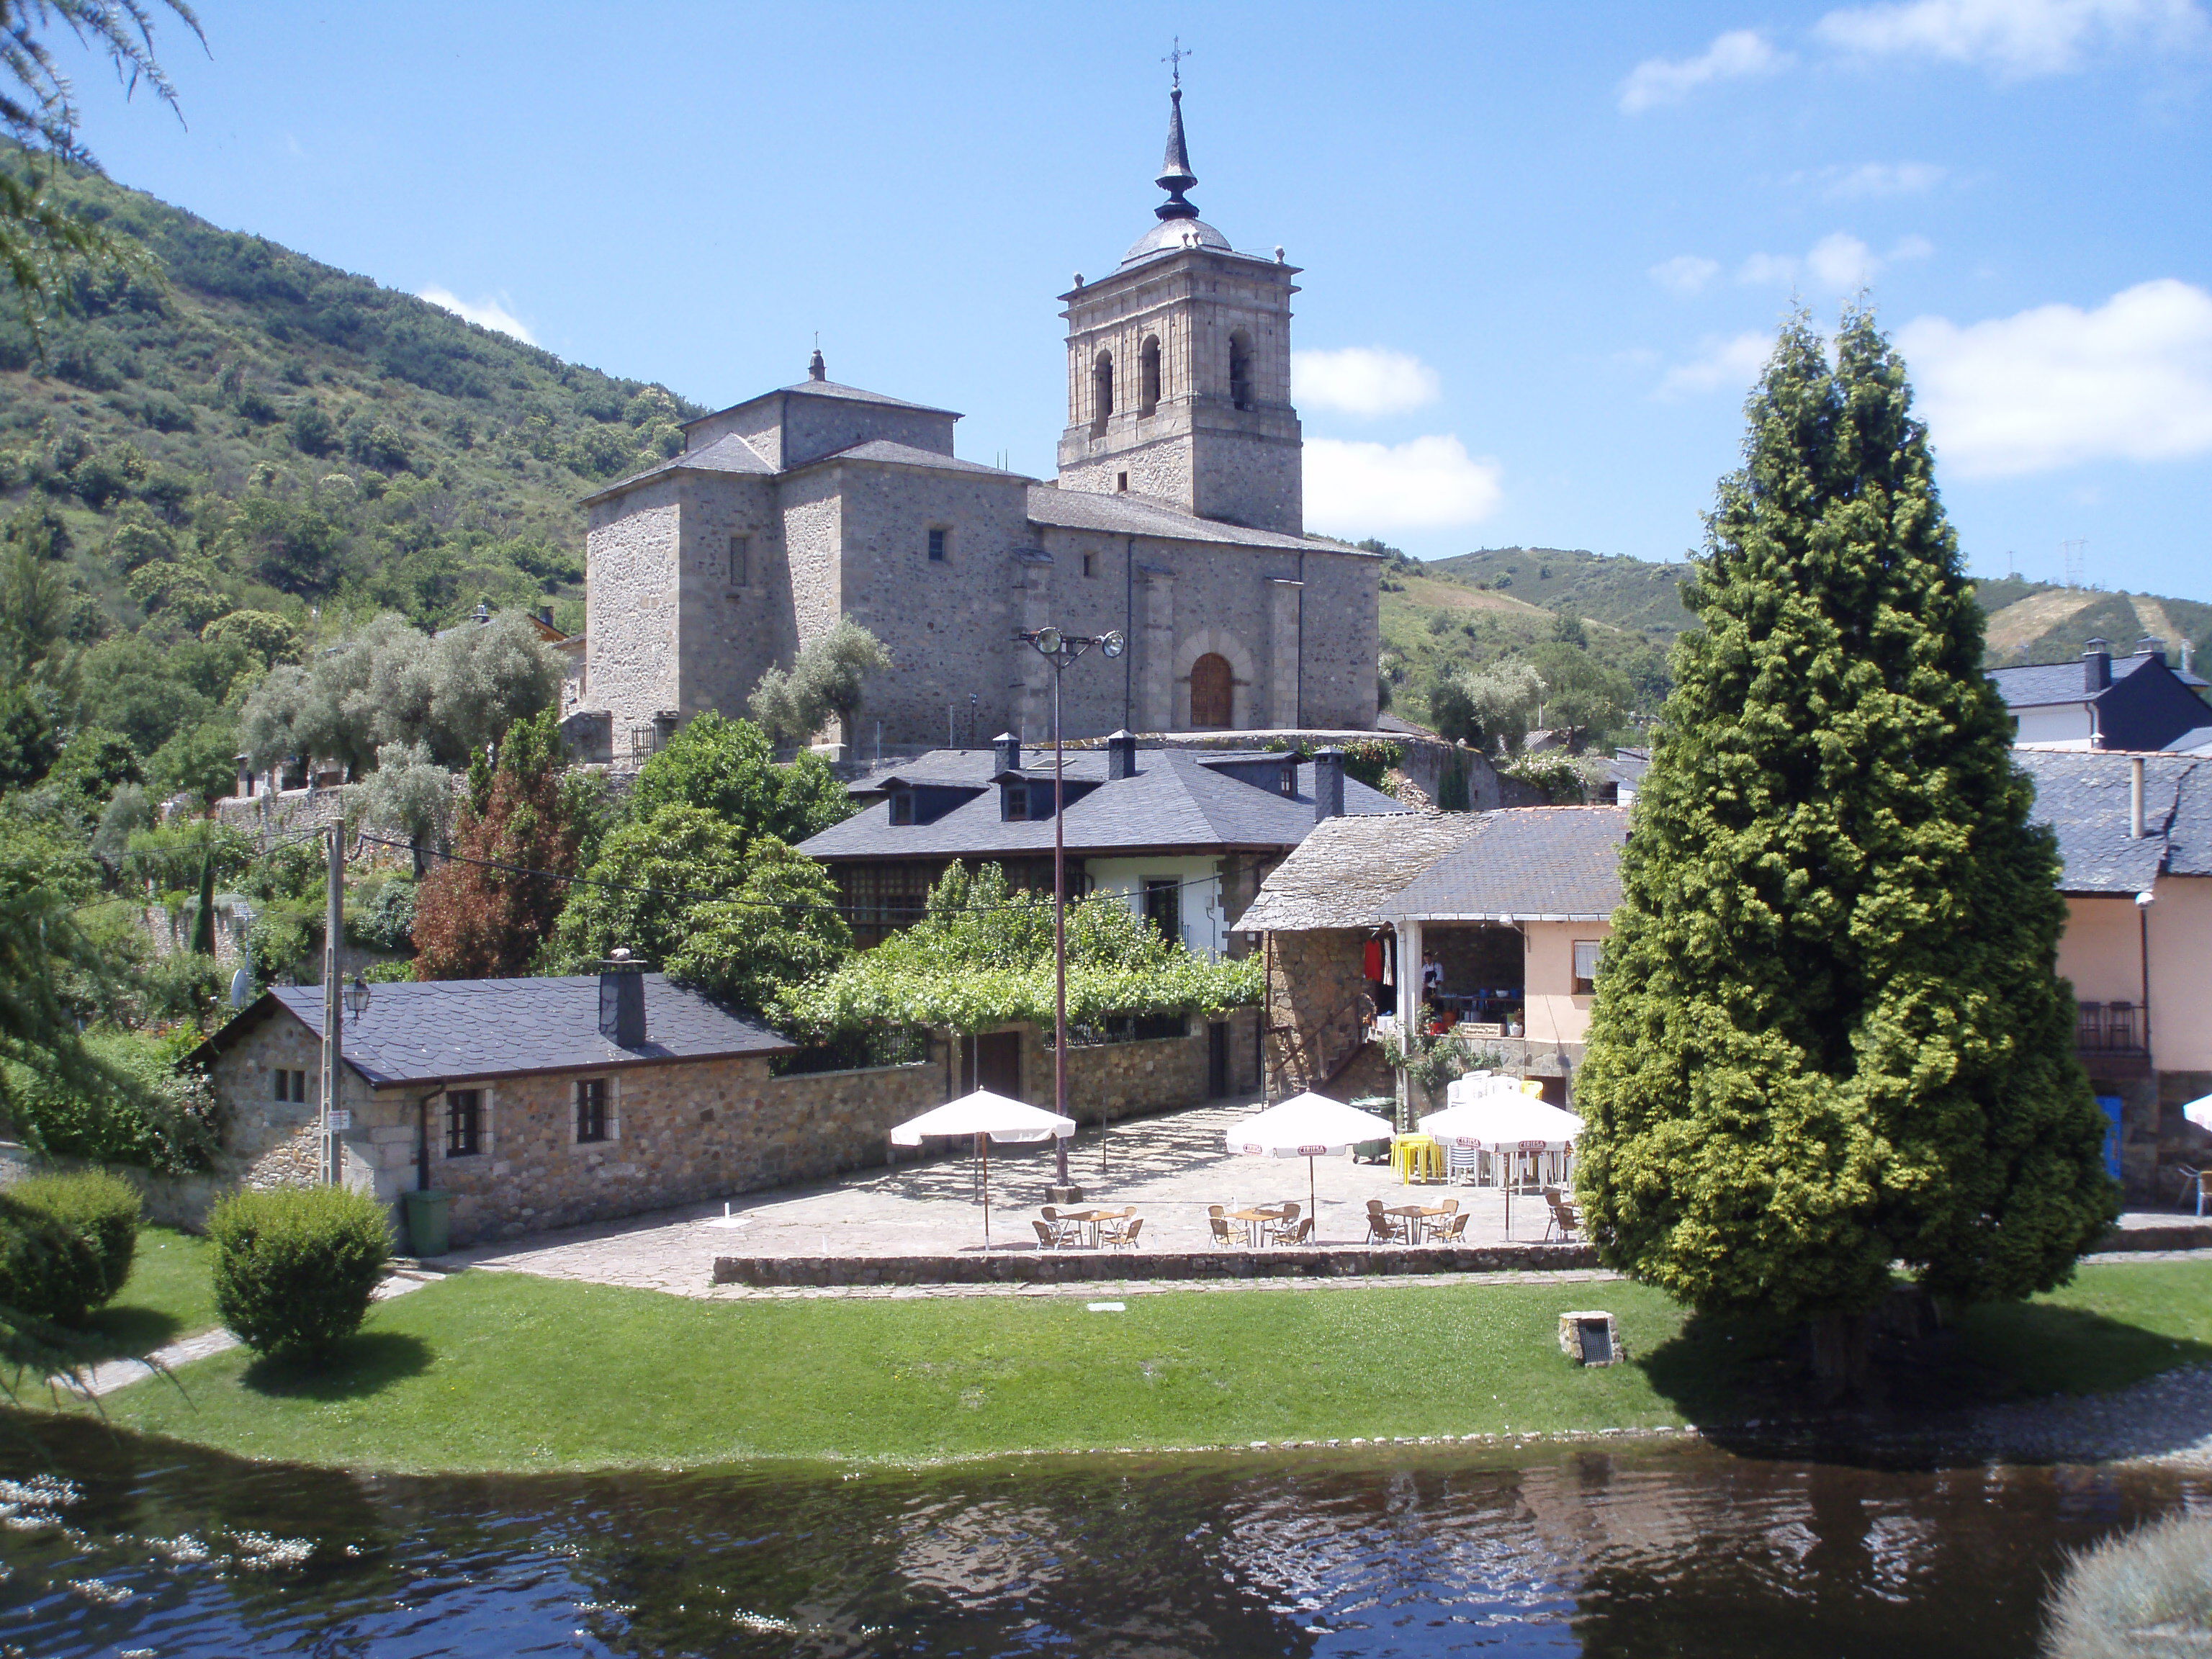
column 1217, row 1221
column 1047, row 1239
column 2201, row 1180
column 1381, row 1229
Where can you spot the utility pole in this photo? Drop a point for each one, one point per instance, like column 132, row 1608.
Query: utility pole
column 333, row 1008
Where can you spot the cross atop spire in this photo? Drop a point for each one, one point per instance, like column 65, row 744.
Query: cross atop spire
column 1175, row 176
column 1174, row 61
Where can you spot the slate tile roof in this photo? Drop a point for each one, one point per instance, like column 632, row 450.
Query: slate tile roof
column 1176, row 800
column 883, row 450
column 1532, row 863
column 810, row 388
column 2036, row 685
column 2198, row 741
column 1139, row 515
column 456, row 1030
column 1343, row 873
column 727, row 454
column 2084, row 797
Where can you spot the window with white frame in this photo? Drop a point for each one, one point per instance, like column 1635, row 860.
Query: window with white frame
column 1586, row 955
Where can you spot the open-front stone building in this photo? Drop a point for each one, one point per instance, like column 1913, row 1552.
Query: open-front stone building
column 1177, row 518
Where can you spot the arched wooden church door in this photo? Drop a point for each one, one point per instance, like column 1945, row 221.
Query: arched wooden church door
column 1212, row 697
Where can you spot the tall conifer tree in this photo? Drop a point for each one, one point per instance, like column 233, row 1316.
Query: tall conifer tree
column 1828, row 1034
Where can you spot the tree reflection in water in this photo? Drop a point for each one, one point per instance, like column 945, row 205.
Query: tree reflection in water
column 1634, row 1551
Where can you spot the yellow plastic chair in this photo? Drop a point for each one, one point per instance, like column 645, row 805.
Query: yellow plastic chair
column 1416, row 1156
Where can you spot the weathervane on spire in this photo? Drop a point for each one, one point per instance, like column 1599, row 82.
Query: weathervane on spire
column 1175, row 176
column 1174, row 61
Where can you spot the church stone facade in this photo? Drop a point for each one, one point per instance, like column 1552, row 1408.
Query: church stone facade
column 1176, row 519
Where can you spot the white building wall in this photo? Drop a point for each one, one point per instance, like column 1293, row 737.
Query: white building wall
column 1204, row 927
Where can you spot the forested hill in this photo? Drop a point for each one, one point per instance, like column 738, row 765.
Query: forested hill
column 239, row 429
column 2028, row 621
column 297, row 436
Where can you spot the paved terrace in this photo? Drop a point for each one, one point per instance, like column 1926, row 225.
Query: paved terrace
column 1169, row 1169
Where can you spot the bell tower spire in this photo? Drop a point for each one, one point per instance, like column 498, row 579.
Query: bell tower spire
column 1175, row 176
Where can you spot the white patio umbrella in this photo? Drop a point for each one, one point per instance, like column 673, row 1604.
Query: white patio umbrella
column 988, row 1117
column 1307, row 1126
column 2199, row 1112
column 1496, row 1122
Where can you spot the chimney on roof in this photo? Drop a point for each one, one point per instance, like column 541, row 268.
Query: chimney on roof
column 1121, row 754
column 622, row 1001
column 2135, row 799
column 816, row 369
column 1328, row 784
column 2151, row 645
column 2096, row 666
column 1008, row 750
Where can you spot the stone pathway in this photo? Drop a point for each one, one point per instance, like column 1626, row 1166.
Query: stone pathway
column 106, row 1378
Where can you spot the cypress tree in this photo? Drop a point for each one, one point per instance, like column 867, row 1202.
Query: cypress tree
column 1829, row 1035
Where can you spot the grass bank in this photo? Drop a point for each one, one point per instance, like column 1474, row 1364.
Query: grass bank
column 488, row 1371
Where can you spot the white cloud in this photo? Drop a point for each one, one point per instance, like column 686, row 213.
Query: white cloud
column 1424, row 484
column 1731, row 56
column 1838, row 263
column 1685, row 274
column 1362, row 380
column 2056, row 385
column 485, row 314
column 1721, row 363
column 1875, row 180
column 2013, row 38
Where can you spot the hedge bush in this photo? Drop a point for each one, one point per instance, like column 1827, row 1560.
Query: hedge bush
column 66, row 1245
column 294, row 1268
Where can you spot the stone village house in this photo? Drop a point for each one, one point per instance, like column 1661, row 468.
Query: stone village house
column 545, row 1103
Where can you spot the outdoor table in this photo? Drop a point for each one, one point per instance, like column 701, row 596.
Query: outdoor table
column 1088, row 1220
column 1416, row 1216
column 1254, row 1220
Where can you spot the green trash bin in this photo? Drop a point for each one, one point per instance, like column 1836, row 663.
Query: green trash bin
column 427, row 1222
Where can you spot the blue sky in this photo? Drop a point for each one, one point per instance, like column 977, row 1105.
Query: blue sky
column 1544, row 246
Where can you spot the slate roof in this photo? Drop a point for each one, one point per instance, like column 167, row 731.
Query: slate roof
column 2198, row 741
column 727, row 454
column 883, row 449
column 1176, row 800
column 457, row 1030
column 1531, row 863
column 1138, row 515
column 2043, row 684
column 1342, row 874
column 810, row 388
column 2084, row 796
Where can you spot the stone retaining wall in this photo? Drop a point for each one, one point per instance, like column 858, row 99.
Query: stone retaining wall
column 1079, row 1266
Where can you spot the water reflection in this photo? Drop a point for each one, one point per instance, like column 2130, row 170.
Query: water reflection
column 113, row 1545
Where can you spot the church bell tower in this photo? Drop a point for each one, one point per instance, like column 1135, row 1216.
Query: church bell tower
column 1179, row 370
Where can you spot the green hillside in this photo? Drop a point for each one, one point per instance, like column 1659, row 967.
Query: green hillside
column 241, row 428
column 1614, row 588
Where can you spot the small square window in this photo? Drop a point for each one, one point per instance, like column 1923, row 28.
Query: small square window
column 464, row 1123
column 591, row 1109
column 903, row 806
column 741, row 560
column 291, row 1084
column 1586, row 956
column 1017, row 802
column 1089, row 564
column 937, row 546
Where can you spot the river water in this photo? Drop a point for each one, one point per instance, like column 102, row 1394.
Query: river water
column 117, row 1545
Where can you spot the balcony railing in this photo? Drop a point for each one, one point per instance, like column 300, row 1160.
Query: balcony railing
column 2109, row 1037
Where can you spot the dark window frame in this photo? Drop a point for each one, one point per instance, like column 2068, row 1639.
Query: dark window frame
column 740, row 571
column 464, row 1123
column 903, row 807
column 939, row 545
column 591, row 1110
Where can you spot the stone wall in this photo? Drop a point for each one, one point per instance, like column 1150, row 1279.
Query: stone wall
column 631, row 588
column 1082, row 1267
column 1317, row 1007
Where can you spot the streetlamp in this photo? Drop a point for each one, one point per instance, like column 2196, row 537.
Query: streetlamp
column 1061, row 649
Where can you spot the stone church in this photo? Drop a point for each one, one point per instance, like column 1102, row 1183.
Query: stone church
column 1177, row 518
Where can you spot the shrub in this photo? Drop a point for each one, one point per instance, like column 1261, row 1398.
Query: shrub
column 294, row 1268
column 102, row 1207
column 134, row 1106
column 2144, row 1592
column 66, row 1244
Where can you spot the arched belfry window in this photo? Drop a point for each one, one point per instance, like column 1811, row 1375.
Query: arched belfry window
column 1102, row 390
column 1240, row 369
column 1150, row 363
column 1212, row 692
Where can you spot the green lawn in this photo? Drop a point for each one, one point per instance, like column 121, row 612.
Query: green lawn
column 170, row 1295
column 502, row 1372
